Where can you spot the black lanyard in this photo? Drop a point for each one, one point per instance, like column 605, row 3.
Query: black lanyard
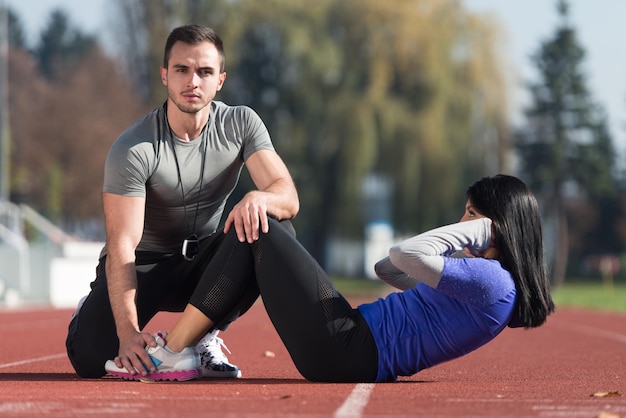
column 191, row 245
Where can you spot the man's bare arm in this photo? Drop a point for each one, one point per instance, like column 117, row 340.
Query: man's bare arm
column 124, row 218
column 276, row 197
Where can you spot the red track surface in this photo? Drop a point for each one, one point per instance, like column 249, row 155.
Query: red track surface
column 552, row 371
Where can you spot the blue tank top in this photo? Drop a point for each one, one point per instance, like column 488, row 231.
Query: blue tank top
column 421, row 327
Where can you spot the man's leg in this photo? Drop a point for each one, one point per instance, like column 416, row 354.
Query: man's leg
column 92, row 336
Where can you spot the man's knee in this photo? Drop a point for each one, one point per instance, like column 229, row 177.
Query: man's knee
column 84, row 361
column 91, row 339
column 84, row 366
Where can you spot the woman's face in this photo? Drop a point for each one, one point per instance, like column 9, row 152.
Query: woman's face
column 471, row 212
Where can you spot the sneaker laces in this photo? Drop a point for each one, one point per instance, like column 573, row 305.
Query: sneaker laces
column 211, row 347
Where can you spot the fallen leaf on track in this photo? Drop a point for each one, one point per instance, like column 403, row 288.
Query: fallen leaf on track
column 609, row 415
column 606, row 394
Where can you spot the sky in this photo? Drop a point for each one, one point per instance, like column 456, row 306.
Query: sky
column 599, row 25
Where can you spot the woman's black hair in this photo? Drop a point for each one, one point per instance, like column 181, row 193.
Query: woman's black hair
column 514, row 211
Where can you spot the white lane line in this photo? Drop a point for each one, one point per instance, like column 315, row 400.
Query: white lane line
column 32, row 360
column 585, row 329
column 357, row 401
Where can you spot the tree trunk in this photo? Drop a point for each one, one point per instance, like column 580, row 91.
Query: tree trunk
column 561, row 255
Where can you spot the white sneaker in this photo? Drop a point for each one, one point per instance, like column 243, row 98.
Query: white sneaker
column 214, row 362
column 184, row 365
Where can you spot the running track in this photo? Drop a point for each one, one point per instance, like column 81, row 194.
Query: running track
column 552, row 371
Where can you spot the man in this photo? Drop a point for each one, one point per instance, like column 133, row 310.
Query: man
column 167, row 179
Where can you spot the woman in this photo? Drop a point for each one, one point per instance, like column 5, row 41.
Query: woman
column 449, row 305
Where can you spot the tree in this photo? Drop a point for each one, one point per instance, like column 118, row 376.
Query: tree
column 409, row 90
column 565, row 147
column 143, row 27
column 17, row 39
column 353, row 88
column 60, row 140
column 60, row 46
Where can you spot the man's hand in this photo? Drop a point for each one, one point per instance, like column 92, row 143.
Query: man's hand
column 132, row 354
column 249, row 216
column 276, row 196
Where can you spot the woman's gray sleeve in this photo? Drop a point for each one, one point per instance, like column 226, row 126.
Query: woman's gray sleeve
column 393, row 276
column 421, row 258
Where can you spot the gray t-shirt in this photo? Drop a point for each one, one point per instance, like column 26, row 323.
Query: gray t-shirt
column 143, row 163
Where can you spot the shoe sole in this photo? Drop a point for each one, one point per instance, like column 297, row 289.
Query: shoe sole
column 179, row 375
column 221, row 375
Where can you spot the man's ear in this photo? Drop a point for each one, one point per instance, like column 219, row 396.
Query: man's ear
column 222, row 80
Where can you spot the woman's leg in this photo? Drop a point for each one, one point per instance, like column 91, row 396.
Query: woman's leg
column 327, row 339
column 226, row 289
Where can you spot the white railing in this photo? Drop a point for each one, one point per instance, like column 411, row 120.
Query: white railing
column 17, row 266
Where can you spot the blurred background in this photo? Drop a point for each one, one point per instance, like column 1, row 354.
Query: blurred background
column 383, row 111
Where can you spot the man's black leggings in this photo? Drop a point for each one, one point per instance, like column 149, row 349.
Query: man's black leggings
column 165, row 282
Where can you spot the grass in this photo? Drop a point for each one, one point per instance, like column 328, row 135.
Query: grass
column 362, row 288
column 572, row 294
column 591, row 296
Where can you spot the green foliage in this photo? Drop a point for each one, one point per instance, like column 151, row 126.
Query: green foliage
column 566, row 152
column 408, row 90
column 566, row 136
